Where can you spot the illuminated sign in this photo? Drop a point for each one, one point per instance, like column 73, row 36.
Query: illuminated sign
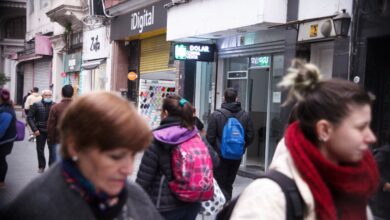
column 262, row 61
column 196, row 52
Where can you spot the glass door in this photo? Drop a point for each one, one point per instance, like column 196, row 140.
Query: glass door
column 258, row 109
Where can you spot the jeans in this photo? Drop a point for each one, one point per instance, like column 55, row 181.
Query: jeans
column 225, row 174
column 5, row 149
column 188, row 212
column 41, row 142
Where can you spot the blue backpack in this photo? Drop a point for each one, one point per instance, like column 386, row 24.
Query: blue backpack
column 233, row 139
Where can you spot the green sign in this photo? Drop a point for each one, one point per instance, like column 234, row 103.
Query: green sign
column 196, row 52
column 262, row 61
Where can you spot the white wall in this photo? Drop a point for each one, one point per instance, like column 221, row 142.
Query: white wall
column 37, row 21
column 322, row 56
column 209, row 16
column 319, row 8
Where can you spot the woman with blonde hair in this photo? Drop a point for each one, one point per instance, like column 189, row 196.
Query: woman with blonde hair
column 325, row 152
column 100, row 134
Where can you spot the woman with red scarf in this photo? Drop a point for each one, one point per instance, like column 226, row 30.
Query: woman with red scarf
column 325, row 151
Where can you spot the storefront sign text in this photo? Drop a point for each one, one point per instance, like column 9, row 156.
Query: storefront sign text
column 139, row 21
column 262, row 61
column 196, row 52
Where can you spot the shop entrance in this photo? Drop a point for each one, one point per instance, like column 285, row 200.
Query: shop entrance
column 260, row 97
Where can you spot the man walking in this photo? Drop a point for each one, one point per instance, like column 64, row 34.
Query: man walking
column 225, row 173
column 37, row 120
column 30, row 100
column 53, row 135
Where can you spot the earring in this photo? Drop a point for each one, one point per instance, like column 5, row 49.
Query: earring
column 75, row 158
column 321, row 139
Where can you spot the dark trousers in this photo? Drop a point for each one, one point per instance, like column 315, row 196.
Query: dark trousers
column 188, row 212
column 41, row 142
column 5, row 149
column 225, row 174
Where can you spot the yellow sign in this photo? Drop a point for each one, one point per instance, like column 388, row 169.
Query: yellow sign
column 132, row 76
column 313, row 30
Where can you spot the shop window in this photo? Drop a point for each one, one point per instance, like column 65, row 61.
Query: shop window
column 15, row 28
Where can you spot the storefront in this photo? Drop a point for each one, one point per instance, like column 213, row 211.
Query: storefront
column 71, row 74
column 143, row 70
column 198, row 75
column 36, row 64
column 95, row 75
column 254, row 66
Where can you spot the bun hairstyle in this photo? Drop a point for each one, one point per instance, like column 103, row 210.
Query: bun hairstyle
column 316, row 99
column 179, row 108
column 301, row 78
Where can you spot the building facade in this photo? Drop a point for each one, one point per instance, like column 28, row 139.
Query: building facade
column 255, row 43
column 12, row 33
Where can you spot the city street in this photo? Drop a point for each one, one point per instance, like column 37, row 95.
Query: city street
column 23, row 166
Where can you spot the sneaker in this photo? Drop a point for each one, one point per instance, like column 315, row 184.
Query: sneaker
column 31, row 138
column 40, row 170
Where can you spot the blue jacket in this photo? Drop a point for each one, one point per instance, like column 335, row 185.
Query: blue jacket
column 7, row 124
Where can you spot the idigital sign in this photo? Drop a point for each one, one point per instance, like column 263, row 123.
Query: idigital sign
column 195, row 52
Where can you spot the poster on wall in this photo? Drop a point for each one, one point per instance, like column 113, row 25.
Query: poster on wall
column 151, row 96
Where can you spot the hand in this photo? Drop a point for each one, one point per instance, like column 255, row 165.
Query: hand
column 36, row 133
column 386, row 187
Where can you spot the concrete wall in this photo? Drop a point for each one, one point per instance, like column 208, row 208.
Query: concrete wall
column 203, row 17
column 319, row 8
column 37, row 20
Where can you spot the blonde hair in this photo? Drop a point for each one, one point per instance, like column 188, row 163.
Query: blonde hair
column 103, row 120
column 301, row 78
column 318, row 99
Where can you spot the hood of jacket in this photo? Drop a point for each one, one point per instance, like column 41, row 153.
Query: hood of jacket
column 232, row 106
column 173, row 133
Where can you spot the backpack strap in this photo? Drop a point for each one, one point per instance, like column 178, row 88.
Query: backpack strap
column 294, row 201
column 227, row 114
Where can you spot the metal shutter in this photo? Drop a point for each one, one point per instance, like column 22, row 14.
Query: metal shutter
column 28, row 77
column 42, row 70
column 154, row 54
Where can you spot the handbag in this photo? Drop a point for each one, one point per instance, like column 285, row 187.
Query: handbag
column 20, row 130
column 214, row 205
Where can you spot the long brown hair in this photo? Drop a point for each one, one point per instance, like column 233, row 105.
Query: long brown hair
column 181, row 108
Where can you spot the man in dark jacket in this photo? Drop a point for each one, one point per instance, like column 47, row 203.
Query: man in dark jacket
column 53, row 135
column 226, row 172
column 37, row 120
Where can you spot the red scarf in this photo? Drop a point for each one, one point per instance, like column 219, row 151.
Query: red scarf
column 345, row 187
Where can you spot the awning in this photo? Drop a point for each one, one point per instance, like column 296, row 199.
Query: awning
column 91, row 64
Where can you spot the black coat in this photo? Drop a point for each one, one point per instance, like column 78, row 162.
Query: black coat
column 381, row 200
column 156, row 163
column 217, row 121
column 49, row 197
column 38, row 115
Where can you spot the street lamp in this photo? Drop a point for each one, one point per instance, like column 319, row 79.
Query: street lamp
column 341, row 23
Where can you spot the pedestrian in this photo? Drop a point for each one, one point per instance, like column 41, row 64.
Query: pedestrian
column 226, row 172
column 98, row 145
column 7, row 132
column 37, row 120
column 30, row 100
column 199, row 124
column 381, row 200
column 56, row 111
column 25, row 111
column 156, row 170
column 325, row 152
